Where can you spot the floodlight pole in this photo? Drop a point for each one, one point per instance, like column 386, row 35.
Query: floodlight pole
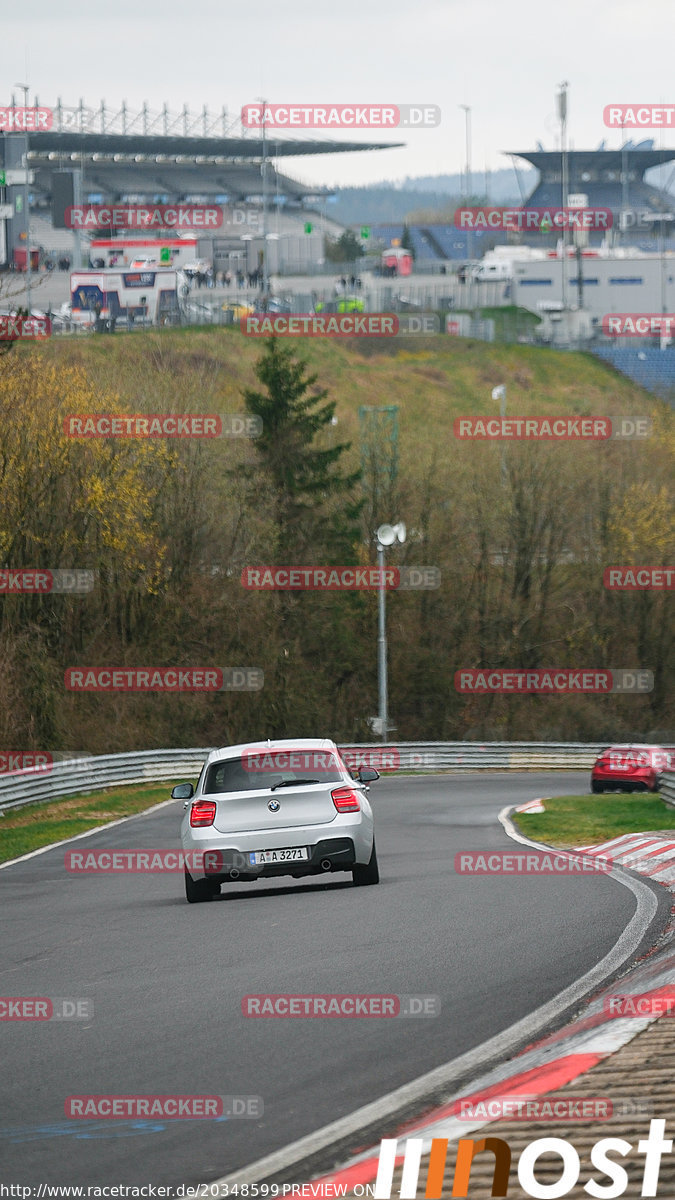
column 382, row 647
column 25, row 88
column 264, row 196
column 469, row 182
column 562, row 114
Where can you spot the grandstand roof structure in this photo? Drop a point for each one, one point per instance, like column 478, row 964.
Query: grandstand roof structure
column 599, row 174
column 150, row 154
column 596, row 162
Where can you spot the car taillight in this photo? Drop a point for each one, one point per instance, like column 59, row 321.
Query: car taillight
column 202, row 813
column 345, row 800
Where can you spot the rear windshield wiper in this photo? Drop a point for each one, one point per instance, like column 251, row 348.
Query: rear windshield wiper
column 292, row 783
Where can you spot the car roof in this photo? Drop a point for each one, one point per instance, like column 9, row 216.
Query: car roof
column 271, row 745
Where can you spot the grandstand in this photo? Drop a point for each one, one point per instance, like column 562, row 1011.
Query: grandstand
column 649, row 366
column 611, row 179
column 163, row 157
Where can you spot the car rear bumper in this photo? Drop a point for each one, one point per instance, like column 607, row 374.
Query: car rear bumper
column 638, row 780
column 227, row 863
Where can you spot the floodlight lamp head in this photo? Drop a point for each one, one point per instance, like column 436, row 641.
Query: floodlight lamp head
column 388, row 534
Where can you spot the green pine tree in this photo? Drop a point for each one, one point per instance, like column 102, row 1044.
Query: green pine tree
column 315, row 508
column 315, row 513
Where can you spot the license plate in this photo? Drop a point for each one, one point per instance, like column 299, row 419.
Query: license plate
column 257, row 857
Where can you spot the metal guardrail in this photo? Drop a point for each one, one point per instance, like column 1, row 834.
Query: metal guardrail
column 666, row 786
column 74, row 776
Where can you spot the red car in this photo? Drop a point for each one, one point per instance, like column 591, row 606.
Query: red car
column 631, row 768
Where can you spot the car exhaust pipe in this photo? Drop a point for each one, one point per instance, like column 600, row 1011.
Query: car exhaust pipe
column 326, row 864
column 234, row 874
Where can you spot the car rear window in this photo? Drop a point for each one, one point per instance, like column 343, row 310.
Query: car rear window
column 262, row 769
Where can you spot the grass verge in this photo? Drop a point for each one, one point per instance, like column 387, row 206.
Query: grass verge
column 586, row 820
column 36, row 825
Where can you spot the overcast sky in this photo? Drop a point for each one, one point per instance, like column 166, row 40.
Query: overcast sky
column 504, row 60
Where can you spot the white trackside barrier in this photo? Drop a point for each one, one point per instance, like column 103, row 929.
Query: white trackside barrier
column 85, row 774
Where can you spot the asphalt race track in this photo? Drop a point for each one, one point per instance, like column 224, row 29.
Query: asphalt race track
column 166, row 979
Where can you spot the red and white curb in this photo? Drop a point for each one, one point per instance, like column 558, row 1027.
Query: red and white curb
column 559, row 1058
column 555, row 1062
column 649, row 856
column 533, row 806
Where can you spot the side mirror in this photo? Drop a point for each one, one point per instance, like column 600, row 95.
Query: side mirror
column 368, row 774
column 182, row 791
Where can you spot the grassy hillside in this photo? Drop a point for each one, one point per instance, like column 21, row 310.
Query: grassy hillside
column 521, row 533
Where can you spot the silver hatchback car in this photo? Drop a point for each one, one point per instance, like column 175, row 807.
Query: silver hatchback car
column 273, row 808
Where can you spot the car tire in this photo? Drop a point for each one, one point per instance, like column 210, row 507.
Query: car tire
column 197, row 890
column 364, row 876
column 597, row 788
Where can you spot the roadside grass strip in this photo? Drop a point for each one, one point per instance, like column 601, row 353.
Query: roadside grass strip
column 38, row 825
column 574, row 821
